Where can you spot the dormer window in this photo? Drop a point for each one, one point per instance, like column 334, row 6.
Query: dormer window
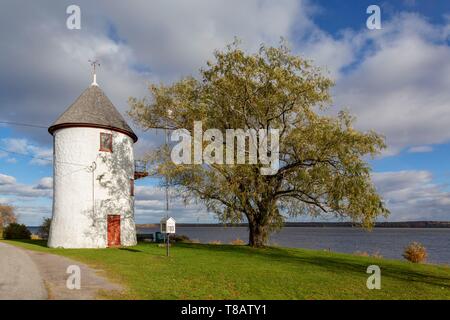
column 106, row 142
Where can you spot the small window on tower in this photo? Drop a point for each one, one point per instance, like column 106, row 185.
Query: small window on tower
column 105, row 142
column 132, row 187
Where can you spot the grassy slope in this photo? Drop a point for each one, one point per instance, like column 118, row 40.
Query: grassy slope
column 196, row 271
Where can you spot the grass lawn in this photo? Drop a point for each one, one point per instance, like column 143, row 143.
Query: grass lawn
column 200, row 271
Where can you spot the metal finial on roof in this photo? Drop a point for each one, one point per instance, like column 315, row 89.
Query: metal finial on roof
column 94, row 64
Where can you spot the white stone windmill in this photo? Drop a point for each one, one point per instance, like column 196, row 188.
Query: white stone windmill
column 93, row 175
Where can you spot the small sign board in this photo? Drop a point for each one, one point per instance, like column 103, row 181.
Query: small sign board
column 168, row 225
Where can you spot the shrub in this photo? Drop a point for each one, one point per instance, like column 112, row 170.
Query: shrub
column 44, row 229
column 16, row 231
column 376, row 254
column 415, row 252
column 238, row 242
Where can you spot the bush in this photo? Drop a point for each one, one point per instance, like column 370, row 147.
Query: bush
column 16, row 231
column 237, row 242
column 376, row 254
column 361, row 254
column 415, row 252
column 44, row 229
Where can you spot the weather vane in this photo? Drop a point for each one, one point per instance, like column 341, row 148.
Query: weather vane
column 94, row 64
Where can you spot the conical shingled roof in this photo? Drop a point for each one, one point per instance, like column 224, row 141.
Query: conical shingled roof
column 93, row 109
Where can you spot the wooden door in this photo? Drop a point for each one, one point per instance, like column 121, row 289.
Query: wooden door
column 113, row 230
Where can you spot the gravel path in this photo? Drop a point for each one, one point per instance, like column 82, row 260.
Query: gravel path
column 26, row 274
column 19, row 275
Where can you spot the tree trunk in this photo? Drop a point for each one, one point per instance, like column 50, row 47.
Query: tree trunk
column 258, row 234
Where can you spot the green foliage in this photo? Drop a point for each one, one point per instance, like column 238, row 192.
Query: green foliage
column 16, row 231
column 44, row 229
column 322, row 157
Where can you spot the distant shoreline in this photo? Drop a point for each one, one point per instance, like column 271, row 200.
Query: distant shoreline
column 403, row 224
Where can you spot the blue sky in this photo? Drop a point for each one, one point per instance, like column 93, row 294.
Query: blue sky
column 395, row 80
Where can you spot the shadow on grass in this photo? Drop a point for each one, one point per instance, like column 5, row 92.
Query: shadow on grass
column 130, row 250
column 43, row 243
column 346, row 264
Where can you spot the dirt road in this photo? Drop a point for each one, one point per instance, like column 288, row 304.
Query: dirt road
column 30, row 275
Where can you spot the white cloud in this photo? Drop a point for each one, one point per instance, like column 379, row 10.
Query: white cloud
column 5, row 200
column 412, row 195
column 395, row 79
column 9, row 186
column 162, row 40
column 420, row 149
column 27, row 199
column 33, row 215
column 150, row 207
column 400, row 88
column 177, row 37
column 6, row 180
column 15, row 145
column 45, row 183
column 22, row 147
column 331, row 54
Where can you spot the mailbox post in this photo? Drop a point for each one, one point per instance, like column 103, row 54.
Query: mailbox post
column 167, row 227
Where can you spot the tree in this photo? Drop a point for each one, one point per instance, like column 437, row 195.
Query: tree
column 321, row 157
column 7, row 215
column 44, row 229
column 16, row 231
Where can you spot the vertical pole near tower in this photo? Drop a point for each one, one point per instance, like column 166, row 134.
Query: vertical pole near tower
column 167, row 194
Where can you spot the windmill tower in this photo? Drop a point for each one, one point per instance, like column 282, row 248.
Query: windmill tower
column 93, row 175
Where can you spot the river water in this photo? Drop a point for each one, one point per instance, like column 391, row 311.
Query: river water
column 389, row 242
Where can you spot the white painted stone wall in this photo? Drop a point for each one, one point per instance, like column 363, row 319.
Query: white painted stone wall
column 82, row 197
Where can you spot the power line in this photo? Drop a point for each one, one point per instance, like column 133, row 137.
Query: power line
column 31, row 156
column 25, row 155
column 42, row 159
column 23, row 124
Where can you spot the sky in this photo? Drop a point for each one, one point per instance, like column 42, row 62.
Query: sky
column 395, row 80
